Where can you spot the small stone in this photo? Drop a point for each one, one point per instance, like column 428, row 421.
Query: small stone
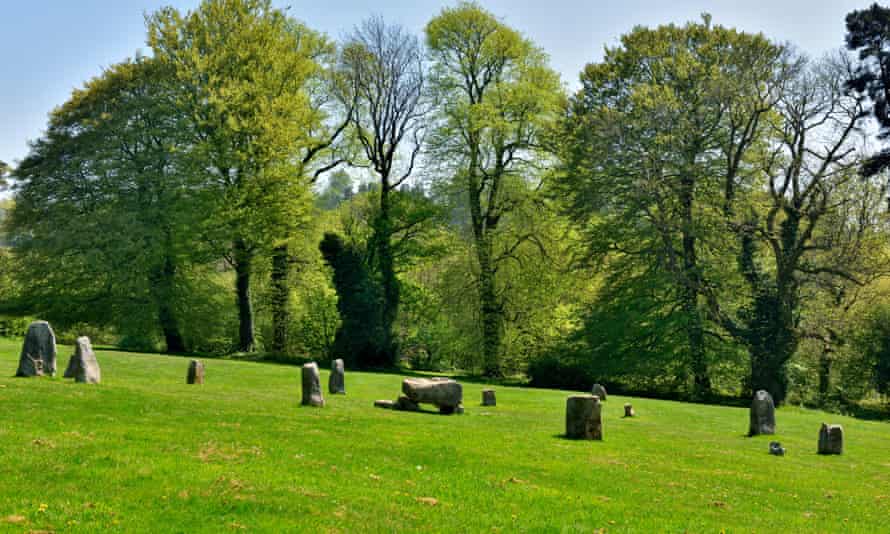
column 584, row 417
column 763, row 414
column 195, row 373
column 337, row 380
column 600, row 391
column 488, row 398
column 831, row 439
column 776, row 448
column 83, row 366
column 38, row 356
column 406, row 405
column 385, row 404
column 312, row 386
column 629, row 410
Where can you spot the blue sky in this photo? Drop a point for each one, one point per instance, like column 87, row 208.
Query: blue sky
column 49, row 47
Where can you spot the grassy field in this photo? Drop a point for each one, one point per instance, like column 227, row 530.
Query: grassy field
column 144, row 452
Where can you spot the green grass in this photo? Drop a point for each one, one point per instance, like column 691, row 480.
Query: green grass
column 144, row 452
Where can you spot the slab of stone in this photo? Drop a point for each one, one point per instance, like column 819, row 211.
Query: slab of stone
column 83, row 366
column 337, row 380
column 763, row 415
column 600, row 391
column 629, row 411
column 385, row 404
column 831, row 439
column 488, row 398
column 445, row 393
column 776, row 448
column 195, row 373
column 312, row 386
column 584, row 417
column 38, row 356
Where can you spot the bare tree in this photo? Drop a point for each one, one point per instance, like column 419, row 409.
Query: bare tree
column 383, row 83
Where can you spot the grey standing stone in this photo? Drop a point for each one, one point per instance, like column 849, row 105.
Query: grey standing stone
column 776, row 448
column 763, row 414
column 312, row 386
column 831, row 439
column 600, row 391
column 38, row 356
column 629, row 411
column 445, row 393
column 83, row 366
column 337, row 380
column 584, row 417
column 488, row 398
column 195, row 373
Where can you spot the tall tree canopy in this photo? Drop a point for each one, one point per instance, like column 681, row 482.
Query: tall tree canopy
column 496, row 96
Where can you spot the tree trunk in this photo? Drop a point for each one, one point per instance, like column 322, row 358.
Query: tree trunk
column 163, row 280
column 690, row 293
column 389, row 283
column 492, row 332
column 280, row 299
column 243, row 263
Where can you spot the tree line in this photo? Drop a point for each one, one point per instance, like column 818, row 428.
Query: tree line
column 707, row 215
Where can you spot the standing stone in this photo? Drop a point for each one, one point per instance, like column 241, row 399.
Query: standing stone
column 445, row 393
column 82, row 366
column 763, row 414
column 584, row 417
column 312, row 386
column 629, row 410
column 488, row 398
column 38, row 355
column 196, row 373
column 337, row 380
column 599, row 391
column 831, row 439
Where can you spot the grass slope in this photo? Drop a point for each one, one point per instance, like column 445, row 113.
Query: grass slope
column 144, row 452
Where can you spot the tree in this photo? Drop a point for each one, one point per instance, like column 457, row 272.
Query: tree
column 497, row 94
column 655, row 143
column 383, row 72
column 868, row 33
column 105, row 193
column 244, row 71
column 5, row 170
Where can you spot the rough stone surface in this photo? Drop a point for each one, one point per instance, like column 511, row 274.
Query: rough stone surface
column 83, row 366
column 445, row 393
column 312, row 386
column 337, row 380
column 600, row 391
column 584, row 417
column 459, row 410
column 831, row 439
column 38, row 355
column 406, row 405
column 763, row 414
column 776, row 448
column 488, row 398
column 196, row 373
column 385, row 404
column 629, row 411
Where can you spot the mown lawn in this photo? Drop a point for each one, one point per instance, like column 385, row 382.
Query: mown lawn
column 144, row 452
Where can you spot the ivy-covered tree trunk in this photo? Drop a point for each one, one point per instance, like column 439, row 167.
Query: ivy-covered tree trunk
column 243, row 263
column 166, row 313
column 280, row 298
column 388, row 280
column 490, row 311
column 690, row 292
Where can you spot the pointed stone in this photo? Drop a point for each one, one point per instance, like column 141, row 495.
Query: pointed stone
column 83, row 366
column 600, row 391
column 763, row 414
